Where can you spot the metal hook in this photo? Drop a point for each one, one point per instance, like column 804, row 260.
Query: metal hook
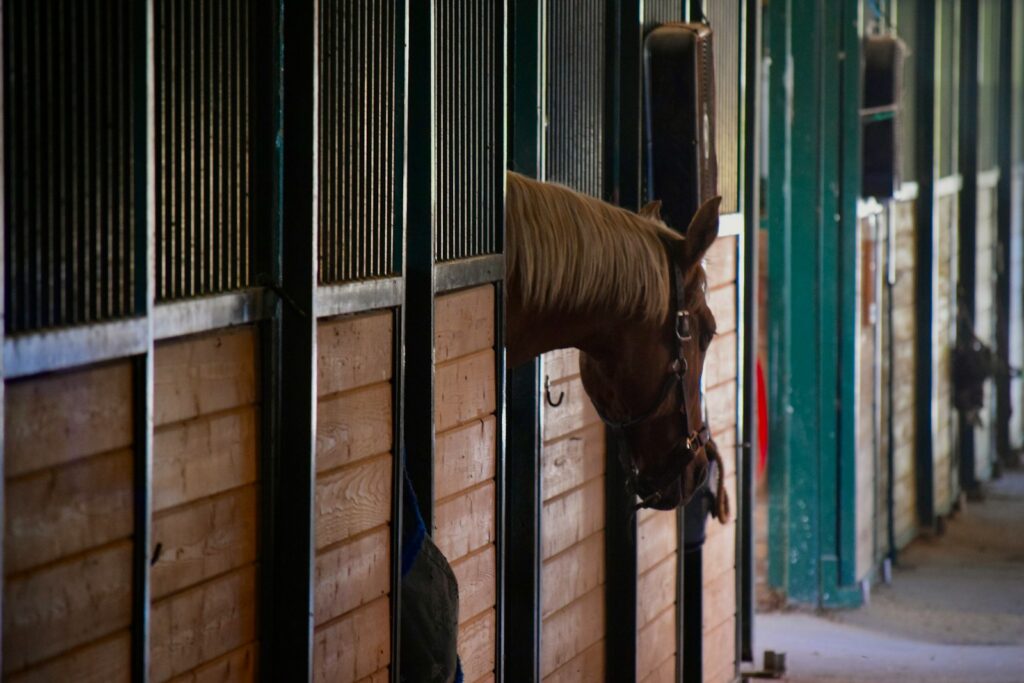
column 547, row 393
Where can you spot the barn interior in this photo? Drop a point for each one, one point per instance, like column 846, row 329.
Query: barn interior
column 257, row 293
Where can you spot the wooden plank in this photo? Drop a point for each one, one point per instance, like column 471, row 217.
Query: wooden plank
column 201, row 624
column 720, row 262
column 382, row 676
column 203, row 540
column 586, row 667
column 476, row 576
column 572, row 460
column 354, row 646
column 105, row 661
column 466, row 522
column 657, row 538
column 62, row 606
column 465, row 456
column 561, row 364
column 572, row 630
column 570, row 518
column 720, row 551
column 352, row 500
column 720, row 653
column 654, row 641
column 664, row 672
column 61, row 511
column 721, row 405
column 238, row 666
column 353, row 351
column 574, row 413
column 656, row 590
column 476, row 646
column 352, row 426
column 720, row 361
column 573, row 573
column 463, row 323
column 59, row 418
column 464, row 390
column 719, row 600
column 204, row 457
column 203, row 375
column 351, row 575
column 722, row 302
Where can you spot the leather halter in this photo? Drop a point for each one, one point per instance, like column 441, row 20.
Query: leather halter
column 696, row 438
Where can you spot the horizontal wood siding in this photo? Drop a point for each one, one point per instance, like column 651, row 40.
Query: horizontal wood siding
column 465, row 462
column 572, row 528
column 352, row 518
column 904, row 331
column 68, row 526
column 944, row 319
column 205, row 508
column 719, row 557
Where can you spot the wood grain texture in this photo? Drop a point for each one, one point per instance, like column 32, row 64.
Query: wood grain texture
column 561, row 364
column 465, row 522
column 351, row 575
column 572, row 517
column 352, row 500
column 572, row 460
column 104, row 661
column 574, row 413
column 355, row 646
column 60, row 418
column 463, row 323
column 720, row 361
column 353, row 426
column 204, row 539
column 721, row 406
column 655, row 640
column 464, row 390
column 353, row 351
column 477, row 645
column 203, row 457
column 656, row 590
column 204, row 374
column 722, row 302
column 238, row 666
column 572, row 573
column 465, row 456
column 719, row 600
column 720, row 653
column 720, row 551
column 61, row 511
column 657, row 538
column 572, row 630
column 585, row 667
column 664, row 672
column 720, row 262
column 78, row 601
column 203, row 623
column 382, row 676
column 476, row 574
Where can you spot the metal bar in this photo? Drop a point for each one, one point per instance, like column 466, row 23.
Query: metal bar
column 692, row 597
column 1004, row 208
column 943, row 187
column 353, row 297
column 144, row 187
column 476, row 270
column 37, row 352
column 497, row 109
column 3, row 325
column 215, row 312
column 989, row 179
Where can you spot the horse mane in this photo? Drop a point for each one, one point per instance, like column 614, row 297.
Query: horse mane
column 569, row 251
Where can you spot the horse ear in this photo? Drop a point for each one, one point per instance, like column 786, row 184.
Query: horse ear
column 652, row 210
column 703, row 230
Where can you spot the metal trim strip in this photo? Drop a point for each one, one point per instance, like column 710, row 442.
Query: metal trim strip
column 354, row 297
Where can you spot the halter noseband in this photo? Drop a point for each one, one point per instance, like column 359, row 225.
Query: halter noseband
column 695, row 439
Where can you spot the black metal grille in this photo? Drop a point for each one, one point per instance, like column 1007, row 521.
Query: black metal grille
column 468, row 49
column 357, row 139
column 68, row 162
column 988, row 84
column 203, row 243
column 906, row 29
column 724, row 18
column 576, row 81
column 1018, row 83
column 947, row 56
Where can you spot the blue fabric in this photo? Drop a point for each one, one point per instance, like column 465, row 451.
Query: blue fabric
column 458, row 670
column 413, row 528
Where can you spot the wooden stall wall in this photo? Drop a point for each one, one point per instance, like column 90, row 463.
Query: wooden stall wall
column 205, row 507
column 1016, row 263
column 572, row 528
column 867, row 360
column 720, row 379
column 657, row 563
column 944, row 428
column 68, row 526
column 465, row 464
column 902, row 374
column 352, row 509
column 985, row 319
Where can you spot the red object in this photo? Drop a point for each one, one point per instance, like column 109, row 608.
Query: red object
column 762, row 422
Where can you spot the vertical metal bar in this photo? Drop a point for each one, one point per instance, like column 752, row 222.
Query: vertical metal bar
column 1004, row 207
column 523, row 471
column 140, row 34
column 3, row 302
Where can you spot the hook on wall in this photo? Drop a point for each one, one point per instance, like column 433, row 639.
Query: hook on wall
column 547, row 393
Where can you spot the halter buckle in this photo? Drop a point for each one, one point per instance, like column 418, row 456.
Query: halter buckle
column 683, row 326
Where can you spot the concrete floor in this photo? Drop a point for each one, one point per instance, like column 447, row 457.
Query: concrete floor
column 953, row 614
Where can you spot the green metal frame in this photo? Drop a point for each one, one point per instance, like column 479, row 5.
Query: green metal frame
column 813, row 186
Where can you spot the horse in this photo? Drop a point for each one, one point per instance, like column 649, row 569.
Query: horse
column 630, row 294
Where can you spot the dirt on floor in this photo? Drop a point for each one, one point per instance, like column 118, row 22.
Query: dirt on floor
column 954, row 612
